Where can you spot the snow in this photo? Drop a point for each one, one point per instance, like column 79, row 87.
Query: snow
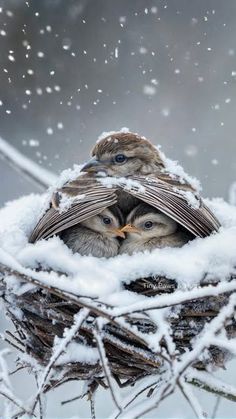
column 76, row 352
column 107, row 133
column 94, row 277
column 128, row 184
column 174, row 168
column 149, row 90
column 44, row 176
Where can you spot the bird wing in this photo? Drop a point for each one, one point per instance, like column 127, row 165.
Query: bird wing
column 198, row 219
column 89, row 198
column 92, row 195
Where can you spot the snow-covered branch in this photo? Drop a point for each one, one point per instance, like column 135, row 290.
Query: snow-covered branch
column 12, row 404
column 26, row 166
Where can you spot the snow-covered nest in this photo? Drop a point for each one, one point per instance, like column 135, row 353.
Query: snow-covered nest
column 164, row 315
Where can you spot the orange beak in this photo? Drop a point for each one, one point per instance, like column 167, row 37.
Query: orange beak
column 128, row 228
column 118, row 232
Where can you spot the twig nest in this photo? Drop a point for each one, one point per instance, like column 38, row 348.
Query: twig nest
column 147, row 309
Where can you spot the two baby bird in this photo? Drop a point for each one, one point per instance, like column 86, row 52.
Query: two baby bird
column 103, row 235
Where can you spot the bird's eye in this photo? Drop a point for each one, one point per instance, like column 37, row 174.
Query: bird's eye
column 106, row 220
column 148, row 224
column 120, row 158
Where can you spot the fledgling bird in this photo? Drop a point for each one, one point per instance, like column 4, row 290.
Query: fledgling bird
column 96, row 236
column 147, row 229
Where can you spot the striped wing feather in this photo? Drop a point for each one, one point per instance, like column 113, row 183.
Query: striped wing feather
column 94, row 197
column 163, row 196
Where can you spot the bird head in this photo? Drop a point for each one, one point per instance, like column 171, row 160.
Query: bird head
column 123, row 154
column 108, row 223
column 145, row 223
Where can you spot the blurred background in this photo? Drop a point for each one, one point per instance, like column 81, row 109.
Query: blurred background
column 166, row 69
column 70, row 70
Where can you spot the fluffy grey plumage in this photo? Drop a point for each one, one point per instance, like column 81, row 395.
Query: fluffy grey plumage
column 147, row 229
column 96, row 236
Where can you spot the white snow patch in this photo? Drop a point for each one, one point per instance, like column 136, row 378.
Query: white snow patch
column 76, row 352
column 90, row 276
column 174, row 168
column 105, row 134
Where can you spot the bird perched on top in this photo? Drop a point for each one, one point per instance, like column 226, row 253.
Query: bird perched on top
column 147, row 229
column 96, row 236
column 136, row 172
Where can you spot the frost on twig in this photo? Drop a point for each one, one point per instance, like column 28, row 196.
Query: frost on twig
column 58, row 349
column 175, row 369
column 12, row 405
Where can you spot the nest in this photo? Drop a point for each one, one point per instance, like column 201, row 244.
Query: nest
column 40, row 313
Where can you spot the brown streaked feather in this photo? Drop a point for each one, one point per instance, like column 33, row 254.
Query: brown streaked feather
column 163, row 196
column 129, row 141
column 93, row 198
column 112, row 143
column 158, row 193
column 175, row 180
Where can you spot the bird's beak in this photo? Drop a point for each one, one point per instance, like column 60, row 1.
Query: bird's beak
column 93, row 165
column 118, row 232
column 128, row 228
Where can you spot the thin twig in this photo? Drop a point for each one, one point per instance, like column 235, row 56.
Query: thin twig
column 39, row 399
column 217, row 403
column 137, row 394
column 72, row 400
column 16, row 403
column 105, row 365
column 191, row 399
column 177, row 298
column 79, row 319
column 206, row 382
column 92, row 407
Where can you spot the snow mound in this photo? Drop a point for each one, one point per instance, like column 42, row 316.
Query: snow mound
column 94, row 277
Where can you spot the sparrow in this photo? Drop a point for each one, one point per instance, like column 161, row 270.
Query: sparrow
column 135, row 172
column 96, row 236
column 147, row 229
column 125, row 154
